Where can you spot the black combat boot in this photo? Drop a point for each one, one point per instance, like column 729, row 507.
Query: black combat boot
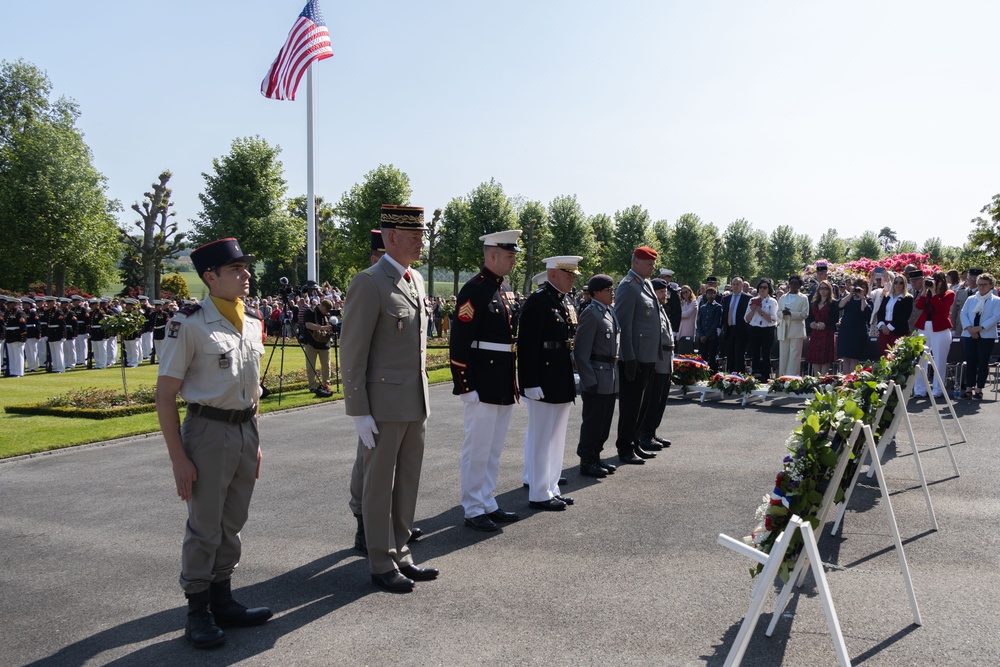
column 201, row 629
column 359, row 538
column 230, row 613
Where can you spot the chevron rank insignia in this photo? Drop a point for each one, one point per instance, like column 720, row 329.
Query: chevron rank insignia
column 466, row 311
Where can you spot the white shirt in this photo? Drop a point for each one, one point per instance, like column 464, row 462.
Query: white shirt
column 769, row 306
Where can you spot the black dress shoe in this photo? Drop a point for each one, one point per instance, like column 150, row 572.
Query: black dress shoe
column 630, row 458
column 482, row 522
column 550, row 505
column 608, row 468
column 566, row 499
column 500, row 516
column 650, row 445
column 393, row 581
column 415, row 534
column 419, row 573
column 643, row 454
column 592, row 470
column 563, row 481
column 663, row 441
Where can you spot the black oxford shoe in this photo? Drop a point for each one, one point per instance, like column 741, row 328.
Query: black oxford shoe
column 415, row 534
column 419, row 573
column 393, row 581
column 500, row 516
column 592, row 470
column 630, row 458
column 643, row 454
column 550, row 505
column 650, row 445
column 608, row 468
column 663, row 441
column 563, row 481
column 566, row 499
column 482, row 522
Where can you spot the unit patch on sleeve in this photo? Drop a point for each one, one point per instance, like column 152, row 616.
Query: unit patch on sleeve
column 173, row 328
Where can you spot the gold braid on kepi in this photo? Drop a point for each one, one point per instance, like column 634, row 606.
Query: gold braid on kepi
column 402, row 217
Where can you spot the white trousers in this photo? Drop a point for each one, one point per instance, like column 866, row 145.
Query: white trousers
column 31, row 354
column 69, row 352
column 81, row 349
column 790, row 356
column 939, row 342
column 15, row 359
column 544, row 445
column 133, row 352
column 56, row 352
column 43, row 347
column 147, row 344
column 100, row 349
column 112, row 346
column 485, row 431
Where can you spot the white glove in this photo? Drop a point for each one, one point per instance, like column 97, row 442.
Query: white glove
column 471, row 397
column 366, row 428
column 534, row 393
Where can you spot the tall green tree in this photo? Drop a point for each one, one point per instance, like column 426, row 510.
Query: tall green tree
column 783, row 254
column 761, row 249
column 806, row 251
column 244, row 197
column 25, row 92
column 359, row 211
column 602, row 229
column 935, row 248
column 631, row 231
column 906, row 246
column 490, row 210
column 533, row 220
column 867, row 245
column 984, row 240
column 830, row 247
column 738, row 255
column 713, row 245
column 570, row 233
column 689, row 258
column 455, row 239
column 434, row 229
column 660, row 238
column 888, row 240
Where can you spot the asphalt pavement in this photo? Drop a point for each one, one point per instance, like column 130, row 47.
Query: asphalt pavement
column 630, row 575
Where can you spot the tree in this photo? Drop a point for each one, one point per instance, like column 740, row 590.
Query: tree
column 631, row 231
column 887, row 240
column 935, row 248
column 782, row 254
column 804, row 247
column 830, row 247
column 155, row 244
column 433, row 240
column 660, row 232
column 490, row 210
column 454, row 238
column 906, row 246
column 244, row 198
column 713, row 245
column 533, row 220
column 176, row 285
column 866, row 245
column 602, row 229
column 570, row 232
column 738, row 254
column 984, row 240
column 689, row 257
column 761, row 249
column 360, row 210
column 24, row 101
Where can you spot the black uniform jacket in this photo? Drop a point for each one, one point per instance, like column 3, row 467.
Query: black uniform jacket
column 483, row 316
column 55, row 325
column 544, row 358
column 15, row 329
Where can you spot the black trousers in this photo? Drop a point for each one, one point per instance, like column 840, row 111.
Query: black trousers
column 709, row 351
column 736, row 351
column 977, row 361
column 759, row 344
column 598, row 412
column 633, row 402
column 657, row 405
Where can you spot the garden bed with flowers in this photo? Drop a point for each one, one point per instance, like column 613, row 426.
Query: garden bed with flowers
column 92, row 403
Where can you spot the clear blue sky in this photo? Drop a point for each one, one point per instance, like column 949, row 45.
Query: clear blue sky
column 852, row 115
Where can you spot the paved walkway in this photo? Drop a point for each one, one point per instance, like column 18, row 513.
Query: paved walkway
column 630, row 575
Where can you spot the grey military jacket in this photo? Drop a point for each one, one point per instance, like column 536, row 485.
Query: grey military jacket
column 639, row 317
column 597, row 336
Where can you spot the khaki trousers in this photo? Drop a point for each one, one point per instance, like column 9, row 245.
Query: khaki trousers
column 324, row 362
column 225, row 456
column 389, row 498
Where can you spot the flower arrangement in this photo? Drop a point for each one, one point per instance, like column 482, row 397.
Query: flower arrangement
column 814, row 447
column 733, row 383
column 690, row 369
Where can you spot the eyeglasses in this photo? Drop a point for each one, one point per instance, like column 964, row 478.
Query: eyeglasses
column 898, row 282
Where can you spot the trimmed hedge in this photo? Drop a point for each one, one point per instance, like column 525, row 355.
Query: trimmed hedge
column 81, row 413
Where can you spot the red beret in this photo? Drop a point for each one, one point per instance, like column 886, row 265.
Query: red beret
column 645, row 252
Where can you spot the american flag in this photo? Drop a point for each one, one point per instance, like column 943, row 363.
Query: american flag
column 307, row 41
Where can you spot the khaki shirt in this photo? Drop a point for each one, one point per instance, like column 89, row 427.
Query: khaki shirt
column 217, row 366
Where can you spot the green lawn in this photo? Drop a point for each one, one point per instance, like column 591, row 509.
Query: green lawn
column 27, row 434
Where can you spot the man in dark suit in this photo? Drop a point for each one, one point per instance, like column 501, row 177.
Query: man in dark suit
column 545, row 374
column 385, row 390
column 735, row 329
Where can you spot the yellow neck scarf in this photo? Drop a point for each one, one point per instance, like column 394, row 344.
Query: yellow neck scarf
column 231, row 310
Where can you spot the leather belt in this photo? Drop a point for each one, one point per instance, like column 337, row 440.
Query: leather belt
column 492, row 347
column 666, row 347
column 556, row 345
column 218, row 414
column 605, row 358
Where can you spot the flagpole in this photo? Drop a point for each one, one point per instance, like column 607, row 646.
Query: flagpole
column 310, row 182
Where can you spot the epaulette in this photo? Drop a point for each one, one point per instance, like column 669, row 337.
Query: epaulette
column 252, row 312
column 190, row 309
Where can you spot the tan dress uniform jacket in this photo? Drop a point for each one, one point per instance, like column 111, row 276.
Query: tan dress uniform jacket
column 383, row 357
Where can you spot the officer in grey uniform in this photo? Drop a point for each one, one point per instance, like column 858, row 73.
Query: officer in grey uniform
column 211, row 357
column 660, row 390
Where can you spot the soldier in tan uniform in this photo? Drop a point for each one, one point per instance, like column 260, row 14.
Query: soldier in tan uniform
column 383, row 358
column 211, row 357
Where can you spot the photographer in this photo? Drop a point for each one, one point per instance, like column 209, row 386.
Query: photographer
column 315, row 338
column 855, row 311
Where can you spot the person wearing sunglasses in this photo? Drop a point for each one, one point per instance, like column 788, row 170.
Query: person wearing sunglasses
column 894, row 314
column 979, row 334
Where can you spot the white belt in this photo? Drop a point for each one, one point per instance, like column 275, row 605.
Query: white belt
column 492, row 347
